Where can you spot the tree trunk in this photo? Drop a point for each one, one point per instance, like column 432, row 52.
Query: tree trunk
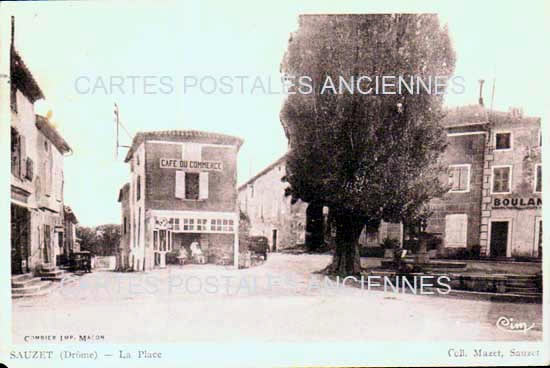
column 346, row 259
column 315, row 236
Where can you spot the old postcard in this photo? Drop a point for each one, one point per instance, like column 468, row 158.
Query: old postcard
column 204, row 183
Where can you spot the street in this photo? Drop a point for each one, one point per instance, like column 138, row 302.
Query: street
column 279, row 301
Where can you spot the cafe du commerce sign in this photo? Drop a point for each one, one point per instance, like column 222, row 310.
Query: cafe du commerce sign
column 172, row 163
column 518, row 202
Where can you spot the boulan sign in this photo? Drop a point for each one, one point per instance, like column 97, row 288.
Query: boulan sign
column 517, row 202
column 171, row 163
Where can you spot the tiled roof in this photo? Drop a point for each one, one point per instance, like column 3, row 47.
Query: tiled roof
column 23, row 79
column 182, row 136
column 125, row 189
column 265, row 170
column 465, row 115
column 52, row 134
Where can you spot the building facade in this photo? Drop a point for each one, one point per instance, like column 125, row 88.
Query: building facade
column 286, row 225
column 271, row 214
column 37, row 151
column 182, row 190
column 71, row 243
column 493, row 207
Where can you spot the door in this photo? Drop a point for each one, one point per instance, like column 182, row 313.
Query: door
column 16, row 256
column 274, row 240
column 539, row 239
column 47, row 244
column 499, row 238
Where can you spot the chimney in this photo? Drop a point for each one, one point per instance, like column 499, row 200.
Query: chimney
column 481, row 81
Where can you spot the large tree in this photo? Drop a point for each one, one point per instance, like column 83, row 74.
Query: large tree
column 368, row 157
column 102, row 240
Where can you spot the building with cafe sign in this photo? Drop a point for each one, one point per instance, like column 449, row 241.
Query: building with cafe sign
column 182, row 189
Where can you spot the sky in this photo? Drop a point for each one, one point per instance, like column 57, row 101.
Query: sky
column 151, row 49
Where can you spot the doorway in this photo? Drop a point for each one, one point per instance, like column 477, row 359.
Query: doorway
column 274, row 240
column 538, row 237
column 499, row 238
column 20, row 226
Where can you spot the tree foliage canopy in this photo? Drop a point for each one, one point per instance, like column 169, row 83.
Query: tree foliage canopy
column 102, row 240
column 373, row 155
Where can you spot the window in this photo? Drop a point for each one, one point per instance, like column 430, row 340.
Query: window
column 125, row 230
column 155, row 240
column 162, row 240
column 459, row 178
column 18, row 154
column 30, row 169
column 503, row 141
column 502, row 179
column 191, row 185
column 538, row 178
column 202, row 224
column 456, row 230
column 188, row 224
column 138, row 190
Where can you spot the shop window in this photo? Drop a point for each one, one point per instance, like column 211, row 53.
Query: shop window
column 538, row 178
column 503, row 141
column 162, row 240
column 456, row 230
column 502, row 179
column 202, row 224
column 188, row 224
column 459, row 178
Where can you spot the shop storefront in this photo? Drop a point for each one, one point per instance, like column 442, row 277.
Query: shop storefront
column 181, row 201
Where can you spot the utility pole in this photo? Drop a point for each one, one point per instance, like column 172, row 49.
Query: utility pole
column 116, row 122
column 118, row 125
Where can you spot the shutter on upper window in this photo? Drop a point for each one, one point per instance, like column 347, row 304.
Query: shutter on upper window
column 180, row 185
column 203, row 185
column 22, row 157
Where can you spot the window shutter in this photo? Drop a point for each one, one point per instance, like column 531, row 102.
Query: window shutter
column 30, row 169
column 180, row 184
column 203, row 185
column 456, row 227
column 22, row 157
column 463, row 178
